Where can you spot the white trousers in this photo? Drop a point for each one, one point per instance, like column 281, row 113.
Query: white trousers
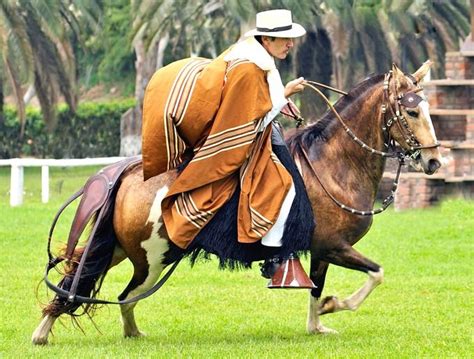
column 274, row 236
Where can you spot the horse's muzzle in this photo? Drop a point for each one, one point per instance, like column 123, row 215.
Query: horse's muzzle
column 433, row 166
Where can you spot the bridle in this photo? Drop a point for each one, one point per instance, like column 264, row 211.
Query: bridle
column 408, row 100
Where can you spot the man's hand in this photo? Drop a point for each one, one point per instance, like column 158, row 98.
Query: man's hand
column 294, row 86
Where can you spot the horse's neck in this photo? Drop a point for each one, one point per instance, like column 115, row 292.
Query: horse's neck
column 349, row 164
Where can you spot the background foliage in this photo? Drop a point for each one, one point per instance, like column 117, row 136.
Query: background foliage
column 61, row 48
column 92, row 131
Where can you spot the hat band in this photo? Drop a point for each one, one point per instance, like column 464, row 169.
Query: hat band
column 275, row 29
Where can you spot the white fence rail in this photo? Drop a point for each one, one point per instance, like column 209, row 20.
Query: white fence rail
column 17, row 173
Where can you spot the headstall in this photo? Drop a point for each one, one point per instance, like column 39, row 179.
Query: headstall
column 408, row 100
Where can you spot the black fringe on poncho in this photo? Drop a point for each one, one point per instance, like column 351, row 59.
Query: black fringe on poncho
column 219, row 236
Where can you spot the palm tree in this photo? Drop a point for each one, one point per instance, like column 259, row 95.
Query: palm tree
column 347, row 39
column 36, row 47
column 436, row 27
column 355, row 38
column 166, row 30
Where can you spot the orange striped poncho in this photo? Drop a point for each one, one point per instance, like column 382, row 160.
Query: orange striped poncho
column 211, row 111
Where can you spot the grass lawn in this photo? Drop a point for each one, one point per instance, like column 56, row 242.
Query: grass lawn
column 424, row 308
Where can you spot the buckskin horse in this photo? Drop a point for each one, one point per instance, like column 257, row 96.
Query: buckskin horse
column 341, row 159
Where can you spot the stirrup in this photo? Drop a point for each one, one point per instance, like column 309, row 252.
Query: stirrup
column 291, row 275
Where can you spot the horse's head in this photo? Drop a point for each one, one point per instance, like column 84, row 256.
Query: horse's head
column 408, row 118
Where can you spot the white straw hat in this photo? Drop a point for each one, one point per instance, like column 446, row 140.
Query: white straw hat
column 276, row 23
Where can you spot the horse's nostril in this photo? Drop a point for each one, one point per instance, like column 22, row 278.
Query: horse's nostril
column 433, row 165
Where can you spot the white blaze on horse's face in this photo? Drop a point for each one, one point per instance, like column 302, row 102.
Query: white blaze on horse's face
column 424, row 107
column 420, row 122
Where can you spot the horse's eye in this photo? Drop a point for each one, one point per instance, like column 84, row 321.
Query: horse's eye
column 412, row 113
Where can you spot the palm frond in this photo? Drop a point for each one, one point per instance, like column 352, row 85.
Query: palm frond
column 49, row 68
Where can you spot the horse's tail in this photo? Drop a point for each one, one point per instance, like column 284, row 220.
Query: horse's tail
column 95, row 268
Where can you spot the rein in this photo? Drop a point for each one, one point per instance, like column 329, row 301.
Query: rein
column 347, row 129
column 386, row 202
column 409, row 100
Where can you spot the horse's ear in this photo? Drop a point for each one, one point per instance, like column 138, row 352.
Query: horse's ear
column 398, row 75
column 422, row 71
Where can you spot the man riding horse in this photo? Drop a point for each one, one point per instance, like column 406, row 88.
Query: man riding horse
column 215, row 121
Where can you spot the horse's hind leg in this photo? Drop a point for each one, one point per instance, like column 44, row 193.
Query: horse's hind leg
column 350, row 258
column 147, row 270
column 41, row 333
column 134, row 288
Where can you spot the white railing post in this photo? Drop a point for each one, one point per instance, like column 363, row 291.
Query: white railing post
column 45, row 183
column 17, row 172
column 16, row 185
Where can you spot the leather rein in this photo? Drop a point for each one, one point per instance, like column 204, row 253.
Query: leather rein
column 407, row 100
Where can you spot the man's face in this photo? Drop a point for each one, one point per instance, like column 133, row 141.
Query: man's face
column 277, row 47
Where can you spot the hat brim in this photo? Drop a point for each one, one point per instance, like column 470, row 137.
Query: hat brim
column 296, row 31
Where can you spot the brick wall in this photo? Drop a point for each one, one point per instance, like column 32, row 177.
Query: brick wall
column 450, row 128
column 450, row 97
column 463, row 161
column 470, row 128
column 417, row 192
column 460, row 189
column 458, row 66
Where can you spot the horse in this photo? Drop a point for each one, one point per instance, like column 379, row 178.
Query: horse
column 341, row 159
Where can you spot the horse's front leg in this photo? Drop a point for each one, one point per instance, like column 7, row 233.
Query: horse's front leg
column 350, row 258
column 318, row 272
column 333, row 304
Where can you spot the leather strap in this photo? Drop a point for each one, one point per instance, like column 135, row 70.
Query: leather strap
column 95, row 193
column 88, row 300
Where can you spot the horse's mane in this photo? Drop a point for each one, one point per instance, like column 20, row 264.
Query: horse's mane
column 347, row 106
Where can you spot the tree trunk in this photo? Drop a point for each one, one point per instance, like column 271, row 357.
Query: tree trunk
column 162, row 45
column 131, row 121
column 130, row 132
column 30, row 93
column 147, row 62
column 2, row 101
column 313, row 61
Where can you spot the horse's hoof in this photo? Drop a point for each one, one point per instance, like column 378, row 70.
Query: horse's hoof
column 328, row 305
column 135, row 334
column 39, row 340
column 321, row 329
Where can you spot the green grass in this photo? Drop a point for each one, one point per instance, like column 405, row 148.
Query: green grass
column 424, row 308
